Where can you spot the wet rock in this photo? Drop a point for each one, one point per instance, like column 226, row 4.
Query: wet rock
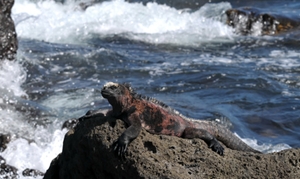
column 32, row 173
column 8, row 36
column 69, row 124
column 7, row 171
column 87, row 153
column 53, row 170
column 247, row 21
column 4, row 139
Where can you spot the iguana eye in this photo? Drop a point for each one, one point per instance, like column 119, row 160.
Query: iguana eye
column 113, row 87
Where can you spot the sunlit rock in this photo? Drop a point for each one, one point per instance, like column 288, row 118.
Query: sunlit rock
column 88, row 153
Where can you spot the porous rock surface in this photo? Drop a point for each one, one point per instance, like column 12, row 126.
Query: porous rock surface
column 8, row 36
column 87, row 153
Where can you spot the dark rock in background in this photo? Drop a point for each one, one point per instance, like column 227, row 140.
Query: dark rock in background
column 246, row 19
column 7, row 171
column 87, row 153
column 8, row 36
column 8, row 49
column 4, row 139
column 32, row 173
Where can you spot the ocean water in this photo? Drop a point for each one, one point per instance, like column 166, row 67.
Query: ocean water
column 178, row 52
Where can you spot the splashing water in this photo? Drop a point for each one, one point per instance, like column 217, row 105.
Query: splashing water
column 152, row 23
column 35, row 146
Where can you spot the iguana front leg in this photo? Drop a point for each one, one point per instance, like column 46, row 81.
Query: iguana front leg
column 120, row 146
column 212, row 142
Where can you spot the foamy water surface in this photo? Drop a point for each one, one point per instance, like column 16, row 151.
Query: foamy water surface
column 180, row 56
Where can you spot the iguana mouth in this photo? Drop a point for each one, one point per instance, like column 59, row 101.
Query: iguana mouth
column 105, row 93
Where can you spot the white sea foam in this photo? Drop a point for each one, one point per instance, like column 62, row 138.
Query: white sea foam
column 24, row 154
column 19, row 152
column 31, row 147
column 153, row 23
column 265, row 148
column 12, row 75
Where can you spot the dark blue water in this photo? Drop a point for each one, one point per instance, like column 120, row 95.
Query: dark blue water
column 189, row 59
column 260, row 96
column 254, row 81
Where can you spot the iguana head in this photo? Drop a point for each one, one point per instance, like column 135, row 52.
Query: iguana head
column 118, row 95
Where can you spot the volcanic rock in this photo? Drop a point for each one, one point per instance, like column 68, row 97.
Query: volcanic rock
column 32, row 173
column 4, row 140
column 247, row 20
column 88, row 153
column 7, row 171
column 69, row 124
column 8, row 36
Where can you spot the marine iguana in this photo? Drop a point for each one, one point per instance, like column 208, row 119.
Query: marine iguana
column 157, row 118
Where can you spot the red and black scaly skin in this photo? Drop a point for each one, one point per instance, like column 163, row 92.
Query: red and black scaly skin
column 157, row 118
